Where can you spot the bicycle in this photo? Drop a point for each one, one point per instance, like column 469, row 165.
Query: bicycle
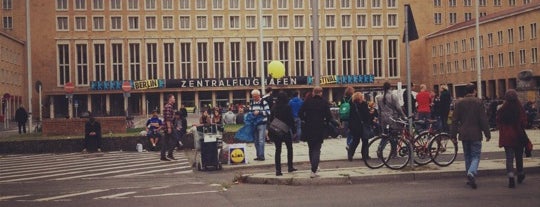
column 443, row 149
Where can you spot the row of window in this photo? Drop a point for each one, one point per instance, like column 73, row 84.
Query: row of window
column 453, row 17
column 483, row 3
column 63, row 5
column 170, row 60
column 456, row 66
column 218, row 22
column 490, row 40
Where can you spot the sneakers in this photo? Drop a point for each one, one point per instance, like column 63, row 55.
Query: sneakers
column 84, row 150
column 292, row 170
column 259, row 159
column 511, row 182
column 99, row 149
column 171, row 157
column 279, row 173
column 472, row 181
column 314, row 175
column 180, row 143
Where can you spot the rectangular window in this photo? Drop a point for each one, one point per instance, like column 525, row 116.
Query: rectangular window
column 116, row 23
column 511, row 59
column 133, row 4
column 346, row 21
column 98, row 24
column 99, row 62
column 63, row 64
column 267, row 21
column 298, row 4
column 497, row 2
column 282, row 4
column 452, row 3
column 392, row 20
column 377, row 58
column 448, row 67
column 521, row 30
column 80, row 4
column 116, row 4
column 202, row 60
column 391, row 4
column 235, row 59
column 82, row 64
column 218, row 22
column 61, row 24
column 345, row 4
column 453, row 17
column 510, row 35
column 456, row 66
column 250, row 4
column 500, row 37
column 362, row 57
column 437, row 18
column 437, row 3
column 468, row 16
column 200, row 4
column 80, row 23
column 501, row 60
column 251, row 21
column 433, row 51
column 522, row 57
column 393, row 70
column 266, row 4
column 7, row 4
column 512, row 2
column 331, row 57
column 464, row 65
column 234, row 22
column 185, row 60
column 151, row 23
column 534, row 55
column 330, row 21
column 267, row 55
column 491, row 61
column 299, row 58
column 471, row 41
column 361, row 20
column 251, row 53
column 219, row 60
column 167, row 4
column 135, row 61
column 201, row 22
column 441, row 50
column 217, row 4
column 150, row 4
column 283, row 21
column 346, row 62
column 483, row 2
column 151, row 61
column 481, row 41
column 284, row 55
column 377, row 19
column 234, row 4
column 361, row 3
column 183, row 4
column 490, row 39
column 168, row 23
column 456, row 47
column 133, row 23
column 435, row 69
column 482, row 66
column 62, row 5
column 97, row 4
column 168, row 60
column 117, row 62
column 467, row 2
column 463, row 45
column 375, row 3
column 299, row 21
column 448, row 49
column 184, row 23
column 533, row 31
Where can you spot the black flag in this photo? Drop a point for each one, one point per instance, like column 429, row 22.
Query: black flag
column 411, row 26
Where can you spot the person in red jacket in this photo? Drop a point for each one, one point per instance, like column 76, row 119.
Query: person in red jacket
column 511, row 120
column 424, row 103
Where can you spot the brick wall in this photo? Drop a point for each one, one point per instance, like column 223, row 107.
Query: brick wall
column 76, row 126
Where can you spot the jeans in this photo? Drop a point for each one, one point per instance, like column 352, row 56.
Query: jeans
column 512, row 153
column 22, row 125
column 298, row 125
column 167, row 145
column 424, row 116
column 260, row 138
column 471, row 152
column 314, row 154
column 288, row 143
column 354, row 144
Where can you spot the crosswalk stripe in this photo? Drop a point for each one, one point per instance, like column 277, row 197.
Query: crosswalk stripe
column 39, row 177
column 71, row 195
column 176, row 194
column 109, row 172
column 154, row 171
column 119, row 195
column 3, row 198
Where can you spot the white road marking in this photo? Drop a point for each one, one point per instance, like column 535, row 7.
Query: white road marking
column 3, row 198
column 153, row 171
column 176, row 194
column 71, row 195
column 119, row 195
column 112, row 172
column 39, row 177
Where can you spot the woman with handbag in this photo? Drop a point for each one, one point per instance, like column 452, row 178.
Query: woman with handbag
column 511, row 120
column 281, row 112
column 359, row 125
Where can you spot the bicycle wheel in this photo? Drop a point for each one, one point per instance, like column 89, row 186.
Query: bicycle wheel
column 421, row 149
column 395, row 153
column 443, row 149
column 373, row 160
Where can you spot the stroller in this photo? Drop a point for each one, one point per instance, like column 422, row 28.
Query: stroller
column 209, row 144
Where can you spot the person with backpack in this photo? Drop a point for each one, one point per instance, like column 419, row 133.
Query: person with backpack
column 344, row 111
column 360, row 122
column 388, row 104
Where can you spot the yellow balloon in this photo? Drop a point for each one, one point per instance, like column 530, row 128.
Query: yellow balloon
column 276, row 69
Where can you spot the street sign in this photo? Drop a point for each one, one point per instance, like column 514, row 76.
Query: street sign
column 126, row 86
column 69, row 87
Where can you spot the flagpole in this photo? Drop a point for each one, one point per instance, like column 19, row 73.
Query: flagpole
column 407, row 60
column 261, row 58
column 478, row 69
column 316, row 61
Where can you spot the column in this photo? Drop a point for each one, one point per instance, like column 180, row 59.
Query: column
column 214, row 102
column 144, row 104
column 89, row 102
column 126, row 105
column 330, row 94
column 231, row 98
column 248, row 95
column 178, row 100
column 70, row 107
column 197, row 104
column 161, row 102
column 108, row 104
column 51, row 107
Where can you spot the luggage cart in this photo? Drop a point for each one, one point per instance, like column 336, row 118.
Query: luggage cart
column 210, row 145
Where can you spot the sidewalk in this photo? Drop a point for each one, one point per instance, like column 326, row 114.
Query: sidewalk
column 334, row 149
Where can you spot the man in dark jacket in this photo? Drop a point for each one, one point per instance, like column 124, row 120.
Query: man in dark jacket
column 315, row 112
column 92, row 135
column 21, row 116
column 445, row 101
column 469, row 121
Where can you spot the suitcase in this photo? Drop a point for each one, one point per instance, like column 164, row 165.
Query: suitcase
column 209, row 150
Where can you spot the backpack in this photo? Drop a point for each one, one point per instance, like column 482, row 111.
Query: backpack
column 344, row 109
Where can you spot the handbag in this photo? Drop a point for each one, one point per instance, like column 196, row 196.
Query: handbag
column 526, row 143
column 278, row 127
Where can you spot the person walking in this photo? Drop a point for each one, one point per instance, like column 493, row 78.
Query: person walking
column 21, row 116
column 315, row 112
column 444, row 109
column 296, row 103
column 260, row 109
column 347, row 99
column 512, row 120
column 92, row 135
column 169, row 141
column 283, row 112
column 389, row 108
column 360, row 121
column 469, row 121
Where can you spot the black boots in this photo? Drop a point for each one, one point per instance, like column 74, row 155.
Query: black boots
column 521, row 178
column 511, row 182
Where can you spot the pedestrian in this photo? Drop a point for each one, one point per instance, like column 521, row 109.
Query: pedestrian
column 21, row 116
column 389, row 108
column 530, row 111
column 92, row 135
column 180, row 127
column 183, row 111
column 296, row 103
column 347, row 99
column 153, row 126
column 469, row 120
column 406, row 99
column 445, row 102
column 315, row 112
column 168, row 141
column 240, row 116
column 260, row 108
column 424, row 102
column 360, row 123
column 216, row 116
column 229, row 117
column 283, row 112
column 511, row 120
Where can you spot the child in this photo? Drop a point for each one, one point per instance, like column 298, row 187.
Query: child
column 180, row 126
column 152, row 129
